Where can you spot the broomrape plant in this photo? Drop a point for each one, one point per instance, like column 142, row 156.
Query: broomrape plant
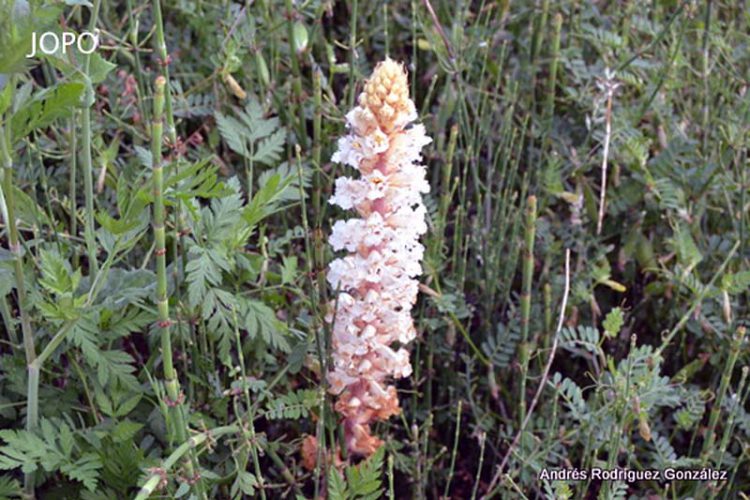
column 376, row 278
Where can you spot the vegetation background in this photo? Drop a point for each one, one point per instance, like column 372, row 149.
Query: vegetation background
column 185, row 361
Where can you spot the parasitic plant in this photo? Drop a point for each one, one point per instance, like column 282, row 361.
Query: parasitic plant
column 376, row 279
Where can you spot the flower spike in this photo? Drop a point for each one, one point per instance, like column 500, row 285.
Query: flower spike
column 377, row 276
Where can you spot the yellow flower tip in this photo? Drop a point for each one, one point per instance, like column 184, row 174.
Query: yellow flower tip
column 386, row 93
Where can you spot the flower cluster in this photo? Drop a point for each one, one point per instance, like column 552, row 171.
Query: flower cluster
column 376, row 279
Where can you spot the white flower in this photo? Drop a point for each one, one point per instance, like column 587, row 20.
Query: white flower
column 376, row 279
column 352, row 148
column 348, row 192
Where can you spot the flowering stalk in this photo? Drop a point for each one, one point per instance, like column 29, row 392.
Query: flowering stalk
column 376, row 279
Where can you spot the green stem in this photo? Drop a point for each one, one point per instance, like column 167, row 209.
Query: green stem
column 319, row 342
column 297, row 108
column 697, row 301
column 171, row 382
column 161, row 49
column 733, row 412
column 482, row 442
column 539, row 31
column 353, row 51
column 14, row 245
column 86, row 162
column 153, row 482
column 6, row 314
column 726, row 377
column 528, row 275
column 455, row 450
column 253, row 442
column 318, row 207
column 72, row 186
column 133, row 37
column 549, row 105
column 316, row 149
column 740, row 403
column 704, row 76
column 445, row 195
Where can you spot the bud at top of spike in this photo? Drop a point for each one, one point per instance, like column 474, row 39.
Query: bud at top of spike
column 386, row 95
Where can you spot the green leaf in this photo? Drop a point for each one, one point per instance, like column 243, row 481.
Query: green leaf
column 260, row 321
column 125, row 431
column 123, row 287
column 182, row 490
column 118, row 365
column 244, row 483
column 500, row 348
column 99, row 68
column 5, row 96
column 269, row 149
column 336, row 485
column 45, row 107
column 9, row 488
column 57, row 276
column 110, row 365
column 203, row 272
column 685, row 247
column 15, row 41
column 128, row 405
column 289, row 183
column 364, row 480
column 52, row 448
column 613, row 322
column 293, row 405
column 144, row 156
column 117, row 226
column 300, row 36
column 23, row 450
column 288, row 269
column 232, row 132
column 266, row 200
column 252, row 135
column 85, row 470
column 736, row 283
column 27, row 209
column 7, row 282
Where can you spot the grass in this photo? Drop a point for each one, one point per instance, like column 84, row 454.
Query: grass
column 164, row 223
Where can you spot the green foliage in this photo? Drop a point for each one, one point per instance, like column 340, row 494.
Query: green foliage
column 245, row 483
column 46, row 106
column 293, row 405
column 278, row 187
column 9, row 488
column 220, row 233
column 109, row 364
column 360, row 482
column 501, row 348
column 251, row 135
column 613, row 322
column 17, row 27
column 53, row 448
column 691, row 413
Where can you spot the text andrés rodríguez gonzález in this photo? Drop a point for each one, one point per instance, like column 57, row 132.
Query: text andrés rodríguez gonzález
column 630, row 475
